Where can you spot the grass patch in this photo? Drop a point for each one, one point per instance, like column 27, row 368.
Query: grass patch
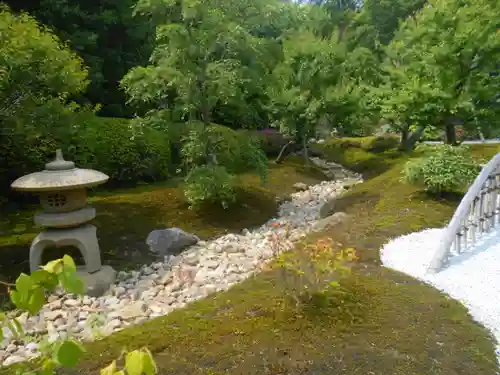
column 386, row 323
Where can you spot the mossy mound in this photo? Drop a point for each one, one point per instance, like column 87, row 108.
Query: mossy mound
column 384, row 324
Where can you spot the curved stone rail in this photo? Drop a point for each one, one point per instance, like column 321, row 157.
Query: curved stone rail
column 477, row 213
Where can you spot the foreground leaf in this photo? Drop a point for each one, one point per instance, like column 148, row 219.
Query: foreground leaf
column 134, row 363
column 68, row 353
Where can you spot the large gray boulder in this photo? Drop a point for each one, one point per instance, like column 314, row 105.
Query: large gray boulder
column 327, row 208
column 331, row 221
column 170, row 241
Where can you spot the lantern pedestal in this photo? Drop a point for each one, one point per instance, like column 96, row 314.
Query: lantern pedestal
column 66, row 217
column 84, row 238
column 97, row 283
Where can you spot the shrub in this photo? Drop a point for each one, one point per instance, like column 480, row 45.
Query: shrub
column 270, row 140
column 445, row 169
column 370, row 144
column 210, row 184
column 311, row 272
column 112, row 146
column 212, row 154
column 109, row 145
column 380, row 143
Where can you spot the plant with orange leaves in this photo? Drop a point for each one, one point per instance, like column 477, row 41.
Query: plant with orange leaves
column 312, row 270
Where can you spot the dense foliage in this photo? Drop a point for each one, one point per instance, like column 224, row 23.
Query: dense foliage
column 145, row 90
column 199, row 77
column 445, row 169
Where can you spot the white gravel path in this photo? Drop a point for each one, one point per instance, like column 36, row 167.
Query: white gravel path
column 472, row 278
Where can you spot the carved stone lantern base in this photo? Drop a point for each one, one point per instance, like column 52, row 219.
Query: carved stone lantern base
column 97, row 283
column 66, row 217
column 96, row 277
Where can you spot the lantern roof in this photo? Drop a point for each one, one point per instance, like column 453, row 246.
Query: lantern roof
column 58, row 175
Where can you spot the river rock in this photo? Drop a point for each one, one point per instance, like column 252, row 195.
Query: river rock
column 170, row 241
column 327, row 208
column 300, row 186
column 331, row 221
column 132, row 311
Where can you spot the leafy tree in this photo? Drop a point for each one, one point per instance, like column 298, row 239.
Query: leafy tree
column 385, row 15
column 320, row 81
column 440, row 68
column 35, row 67
column 203, row 60
column 106, row 35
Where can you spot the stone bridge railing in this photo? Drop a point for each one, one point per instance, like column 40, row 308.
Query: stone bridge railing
column 476, row 215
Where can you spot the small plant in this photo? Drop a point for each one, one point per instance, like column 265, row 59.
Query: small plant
column 311, row 272
column 211, row 184
column 446, row 169
column 28, row 294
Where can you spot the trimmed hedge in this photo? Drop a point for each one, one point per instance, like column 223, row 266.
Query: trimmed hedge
column 111, row 146
column 370, row 144
column 271, row 143
column 106, row 144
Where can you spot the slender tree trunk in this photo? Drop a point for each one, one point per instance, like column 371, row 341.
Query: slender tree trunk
column 409, row 140
column 306, row 154
column 451, row 137
column 281, row 155
column 404, row 138
column 481, row 135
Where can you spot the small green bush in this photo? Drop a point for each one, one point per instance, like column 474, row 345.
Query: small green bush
column 371, row 144
column 271, row 142
column 210, row 184
column 380, row 143
column 112, row 146
column 109, row 145
column 444, row 169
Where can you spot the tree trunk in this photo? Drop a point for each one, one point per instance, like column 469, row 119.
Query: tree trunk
column 408, row 140
column 306, row 154
column 451, row 137
column 481, row 135
column 281, row 155
column 404, row 138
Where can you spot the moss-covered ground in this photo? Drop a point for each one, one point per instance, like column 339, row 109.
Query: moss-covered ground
column 126, row 216
column 385, row 323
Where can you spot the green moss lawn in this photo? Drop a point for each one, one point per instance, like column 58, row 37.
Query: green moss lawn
column 126, row 216
column 383, row 323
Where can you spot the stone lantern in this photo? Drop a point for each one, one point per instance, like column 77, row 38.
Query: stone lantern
column 66, row 216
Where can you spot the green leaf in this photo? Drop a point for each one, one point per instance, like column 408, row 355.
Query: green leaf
column 69, row 263
column 54, row 266
column 70, row 281
column 45, row 279
column 17, row 299
column 109, row 370
column 134, row 363
column 13, row 329
column 48, row 367
column 334, row 284
column 148, row 363
column 68, row 353
column 18, row 326
column 36, row 301
column 23, row 284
